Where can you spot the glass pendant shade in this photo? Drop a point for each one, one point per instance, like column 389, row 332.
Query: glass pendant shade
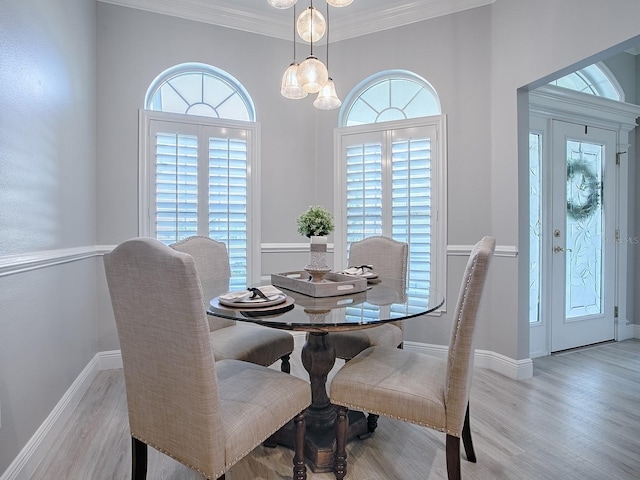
column 290, row 86
column 312, row 74
column 338, row 3
column 327, row 98
column 282, row 3
column 311, row 25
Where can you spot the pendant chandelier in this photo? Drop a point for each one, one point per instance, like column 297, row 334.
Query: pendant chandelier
column 310, row 76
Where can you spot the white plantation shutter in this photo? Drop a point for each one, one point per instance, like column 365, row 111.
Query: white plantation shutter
column 411, row 205
column 200, row 184
column 364, row 190
column 389, row 188
column 228, row 192
column 176, row 183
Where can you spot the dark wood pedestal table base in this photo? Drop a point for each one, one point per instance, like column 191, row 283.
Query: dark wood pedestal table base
column 386, row 301
column 318, row 358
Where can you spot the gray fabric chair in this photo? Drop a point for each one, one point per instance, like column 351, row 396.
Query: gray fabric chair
column 250, row 343
column 389, row 259
column 416, row 387
column 204, row 413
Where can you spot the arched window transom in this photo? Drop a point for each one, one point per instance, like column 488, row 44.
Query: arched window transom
column 389, row 96
column 593, row 80
column 200, row 89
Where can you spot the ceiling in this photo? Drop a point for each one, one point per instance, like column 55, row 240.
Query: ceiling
column 257, row 16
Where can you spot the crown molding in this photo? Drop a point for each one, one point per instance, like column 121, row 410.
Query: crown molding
column 386, row 18
column 577, row 106
column 272, row 22
column 224, row 15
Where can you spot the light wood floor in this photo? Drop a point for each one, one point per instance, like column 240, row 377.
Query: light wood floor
column 577, row 418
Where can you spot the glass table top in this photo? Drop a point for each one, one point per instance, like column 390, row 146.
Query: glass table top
column 386, row 301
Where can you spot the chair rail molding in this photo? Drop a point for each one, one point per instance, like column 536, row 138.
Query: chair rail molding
column 298, row 247
column 24, row 262
column 465, row 250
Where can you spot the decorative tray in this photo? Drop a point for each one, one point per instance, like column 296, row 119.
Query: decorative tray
column 332, row 285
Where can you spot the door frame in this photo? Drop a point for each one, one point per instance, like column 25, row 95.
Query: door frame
column 554, row 103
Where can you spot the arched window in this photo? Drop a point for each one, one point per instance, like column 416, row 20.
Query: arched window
column 388, row 96
column 595, row 80
column 200, row 89
column 392, row 158
column 199, row 165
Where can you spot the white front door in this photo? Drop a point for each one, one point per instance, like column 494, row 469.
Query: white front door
column 583, row 209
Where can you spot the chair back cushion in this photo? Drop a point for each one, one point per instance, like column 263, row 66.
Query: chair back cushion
column 388, row 256
column 460, row 357
column 212, row 263
column 169, row 368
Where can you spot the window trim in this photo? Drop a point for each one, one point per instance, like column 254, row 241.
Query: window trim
column 253, row 173
column 439, row 200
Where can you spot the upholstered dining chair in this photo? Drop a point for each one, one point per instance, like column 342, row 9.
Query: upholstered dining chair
column 388, row 258
column 251, row 343
column 414, row 386
column 204, row 413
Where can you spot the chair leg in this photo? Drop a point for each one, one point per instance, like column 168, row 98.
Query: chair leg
column 466, row 438
column 372, row 422
column 453, row 457
column 285, row 366
column 340, row 455
column 138, row 459
column 299, row 467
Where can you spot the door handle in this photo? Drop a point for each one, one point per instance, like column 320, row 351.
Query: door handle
column 558, row 249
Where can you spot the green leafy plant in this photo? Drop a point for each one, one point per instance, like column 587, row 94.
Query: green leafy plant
column 316, row 221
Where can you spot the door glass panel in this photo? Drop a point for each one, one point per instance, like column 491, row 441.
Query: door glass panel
column 584, row 267
column 535, row 225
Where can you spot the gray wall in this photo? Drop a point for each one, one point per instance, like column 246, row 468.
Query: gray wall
column 476, row 60
column 55, row 319
column 297, row 140
column 47, row 202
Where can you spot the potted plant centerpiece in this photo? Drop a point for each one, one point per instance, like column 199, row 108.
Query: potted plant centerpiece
column 316, row 223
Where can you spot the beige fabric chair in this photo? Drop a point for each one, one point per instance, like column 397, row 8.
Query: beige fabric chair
column 416, row 387
column 389, row 259
column 206, row 414
column 250, row 343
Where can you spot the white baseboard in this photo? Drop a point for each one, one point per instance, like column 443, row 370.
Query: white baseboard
column 514, row 369
column 25, row 464
column 627, row 331
column 109, row 360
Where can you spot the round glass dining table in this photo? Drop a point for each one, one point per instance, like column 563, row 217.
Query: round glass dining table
column 385, row 301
